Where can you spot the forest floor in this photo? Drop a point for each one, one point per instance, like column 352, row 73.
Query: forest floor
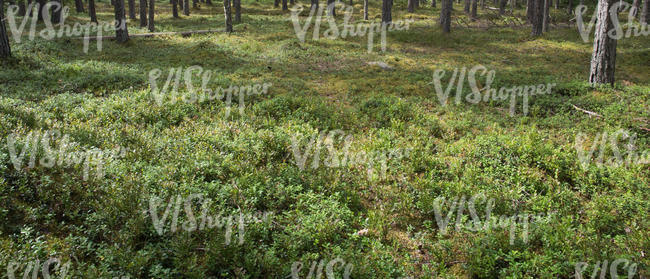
column 407, row 151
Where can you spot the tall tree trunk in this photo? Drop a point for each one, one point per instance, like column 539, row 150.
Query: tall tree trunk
column 195, row 4
column 121, row 31
column 186, row 7
column 537, row 20
column 314, row 5
column 79, row 6
column 502, row 7
column 603, row 59
column 5, row 48
column 21, row 8
column 635, row 8
column 132, row 9
column 410, row 7
column 151, row 7
column 417, row 4
column 180, row 5
column 143, row 13
column 57, row 6
column 331, row 7
column 445, row 15
column 228, row 14
column 175, row 8
column 41, row 8
column 386, row 11
column 433, row 3
column 530, row 10
column 237, row 10
column 91, row 11
column 569, row 7
column 208, row 2
column 276, row 3
column 293, row 2
column 467, row 6
column 474, row 7
column 285, row 7
column 545, row 21
column 645, row 12
column 365, row 9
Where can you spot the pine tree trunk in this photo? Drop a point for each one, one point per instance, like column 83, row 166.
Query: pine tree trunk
column 545, row 21
column 502, row 7
column 143, row 13
column 474, row 12
column 537, row 20
column 645, row 12
column 365, row 9
column 91, row 11
column 386, row 10
column 410, row 7
column 41, row 9
column 186, row 7
column 445, row 15
column 603, row 59
column 21, row 8
column 132, row 9
column 180, row 5
column 175, row 8
column 417, row 4
column 151, row 7
column 530, row 10
column 121, row 31
column 635, row 8
column 79, row 6
column 433, row 3
column 5, row 49
column 228, row 15
column 285, row 7
column 276, row 3
column 237, row 10
column 467, row 6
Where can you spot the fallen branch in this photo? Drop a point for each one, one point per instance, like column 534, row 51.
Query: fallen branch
column 147, row 35
column 587, row 112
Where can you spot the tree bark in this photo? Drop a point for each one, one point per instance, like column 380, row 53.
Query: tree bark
column 56, row 11
column 386, row 10
column 186, row 7
column 603, row 59
column 228, row 15
column 151, row 7
column 645, row 12
column 175, row 8
column 285, row 7
column 417, row 4
column 132, row 9
column 365, row 9
column 292, row 2
column 537, row 20
column 276, row 3
column 433, row 3
column 502, row 7
column 121, row 31
column 635, row 8
column 237, row 10
column 208, row 2
column 41, row 9
column 21, row 8
column 331, row 9
column 445, row 15
column 91, row 11
column 5, row 48
column 545, row 21
column 195, row 4
column 569, row 7
column 467, row 6
column 410, row 7
column 79, row 6
column 473, row 13
column 530, row 11
column 143, row 13
column 314, row 5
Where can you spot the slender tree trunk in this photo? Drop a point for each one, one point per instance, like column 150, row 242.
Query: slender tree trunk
column 545, row 21
column 180, row 5
column 57, row 6
column 530, row 10
column 186, row 7
column 433, row 3
column 175, row 8
column 121, row 31
column 365, row 9
column 237, row 10
column 502, row 7
column 21, row 8
column 132, row 9
column 91, row 11
column 635, row 8
column 417, row 4
column 467, row 6
column 603, row 59
column 228, row 14
column 410, row 7
column 483, row 4
column 473, row 13
column 5, row 48
column 41, row 8
column 331, row 9
column 79, row 6
column 143, row 13
column 386, row 11
column 445, row 15
column 645, row 12
column 569, row 7
column 314, row 5
column 537, row 7
column 151, row 7
column 276, row 3
column 285, row 7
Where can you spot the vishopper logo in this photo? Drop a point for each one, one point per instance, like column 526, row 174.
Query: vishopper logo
column 205, row 94
column 318, row 268
column 486, row 93
column 64, row 153
column 628, row 268
column 458, row 204
column 617, row 33
column 49, row 268
column 338, row 146
column 609, row 150
column 65, row 30
column 347, row 30
column 162, row 225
